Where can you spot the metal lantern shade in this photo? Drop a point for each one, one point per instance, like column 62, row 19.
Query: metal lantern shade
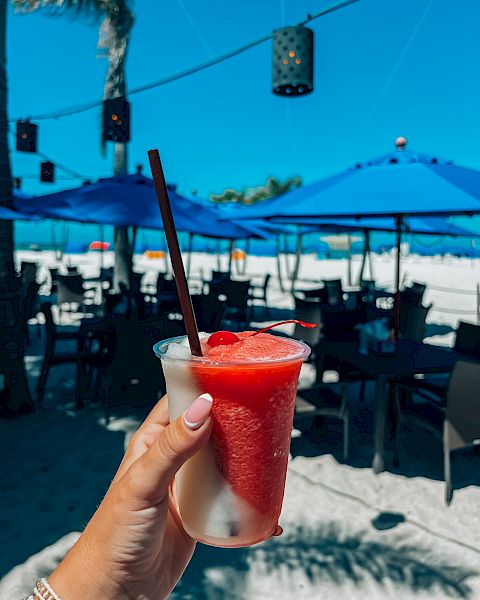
column 293, row 61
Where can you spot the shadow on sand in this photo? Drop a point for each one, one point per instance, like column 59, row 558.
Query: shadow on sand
column 421, row 453
column 316, row 557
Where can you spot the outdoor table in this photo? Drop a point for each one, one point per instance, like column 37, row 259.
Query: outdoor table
column 411, row 358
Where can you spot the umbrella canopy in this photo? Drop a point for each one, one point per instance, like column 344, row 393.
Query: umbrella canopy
column 130, row 200
column 7, row 214
column 398, row 184
column 418, row 225
column 12, row 215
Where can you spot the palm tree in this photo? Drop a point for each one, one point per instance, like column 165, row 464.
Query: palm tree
column 14, row 393
column 273, row 187
column 114, row 37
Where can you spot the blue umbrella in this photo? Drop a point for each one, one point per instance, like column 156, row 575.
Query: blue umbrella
column 7, row 214
column 420, row 225
column 397, row 184
column 130, row 200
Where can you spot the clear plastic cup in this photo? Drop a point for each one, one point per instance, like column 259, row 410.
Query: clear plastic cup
column 230, row 493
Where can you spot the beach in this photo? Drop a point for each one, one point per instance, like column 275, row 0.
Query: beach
column 348, row 533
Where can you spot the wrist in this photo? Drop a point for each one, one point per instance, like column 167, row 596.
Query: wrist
column 80, row 575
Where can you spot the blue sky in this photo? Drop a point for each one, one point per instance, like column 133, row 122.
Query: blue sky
column 382, row 69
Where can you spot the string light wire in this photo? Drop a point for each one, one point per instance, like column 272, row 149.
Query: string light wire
column 80, row 108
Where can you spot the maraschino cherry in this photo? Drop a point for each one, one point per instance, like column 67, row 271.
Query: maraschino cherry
column 222, row 338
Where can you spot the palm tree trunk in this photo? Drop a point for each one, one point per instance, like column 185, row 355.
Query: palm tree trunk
column 15, row 393
column 7, row 269
column 123, row 252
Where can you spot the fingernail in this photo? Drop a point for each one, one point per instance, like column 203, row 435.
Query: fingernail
column 197, row 414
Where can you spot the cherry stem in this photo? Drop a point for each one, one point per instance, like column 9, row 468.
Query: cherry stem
column 302, row 323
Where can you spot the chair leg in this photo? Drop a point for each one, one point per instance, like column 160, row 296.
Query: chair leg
column 448, row 474
column 346, row 435
column 361, row 395
column 398, row 425
column 42, row 382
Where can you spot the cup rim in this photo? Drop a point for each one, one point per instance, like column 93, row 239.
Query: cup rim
column 160, row 351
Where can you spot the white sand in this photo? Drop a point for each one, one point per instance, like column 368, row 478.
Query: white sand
column 58, row 463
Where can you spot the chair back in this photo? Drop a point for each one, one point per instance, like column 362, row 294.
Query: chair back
column 53, row 280
column 237, row 293
column 209, row 311
column 30, row 298
column 73, row 270
column 463, row 401
column 338, row 323
column 334, row 290
column 218, row 276
column 308, row 311
column 70, row 289
column 28, row 272
column 467, row 340
column 412, row 321
column 414, row 294
column 136, row 282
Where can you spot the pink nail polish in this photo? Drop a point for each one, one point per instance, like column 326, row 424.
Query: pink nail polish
column 198, row 412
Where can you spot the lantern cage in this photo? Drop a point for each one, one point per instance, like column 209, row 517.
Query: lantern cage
column 47, row 172
column 26, row 136
column 293, row 61
column 116, row 120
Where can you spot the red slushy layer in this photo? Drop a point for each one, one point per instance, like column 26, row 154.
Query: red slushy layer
column 252, row 417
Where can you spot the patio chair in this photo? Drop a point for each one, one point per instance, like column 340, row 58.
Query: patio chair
column 434, row 386
column 209, row 311
column 413, row 295
column 30, row 306
column 262, row 293
column 412, row 320
column 71, row 291
column 326, row 400
column 53, row 280
column 28, row 272
column 458, row 423
column 237, row 294
column 52, row 357
column 334, row 291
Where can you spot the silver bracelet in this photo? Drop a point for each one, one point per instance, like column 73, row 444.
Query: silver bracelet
column 44, row 591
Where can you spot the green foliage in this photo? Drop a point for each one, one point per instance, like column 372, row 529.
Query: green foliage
column 81, row 6
column 273, row 187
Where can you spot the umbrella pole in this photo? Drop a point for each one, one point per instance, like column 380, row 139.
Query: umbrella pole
column 370, row 262
column 396, row 330
column 349, row 261
column 102, row 262
column 218, row 247
column 279, row 264
column 247, row 255
column 230, row 257
column 366, row 250
column 298, row 259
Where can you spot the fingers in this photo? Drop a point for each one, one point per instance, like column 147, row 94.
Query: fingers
column 158, row 414
column 149, row 477
column 145, row 436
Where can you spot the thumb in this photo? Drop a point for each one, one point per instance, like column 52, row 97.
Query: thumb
column 150, row 476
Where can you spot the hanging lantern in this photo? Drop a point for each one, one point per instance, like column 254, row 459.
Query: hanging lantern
column 293, row 61
column 26, row 136
column 116, row 120
column 47, row 172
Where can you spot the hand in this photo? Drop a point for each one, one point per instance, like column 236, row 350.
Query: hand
column 135, row 546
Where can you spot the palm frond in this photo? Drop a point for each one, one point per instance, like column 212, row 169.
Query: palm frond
column 84, row 7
